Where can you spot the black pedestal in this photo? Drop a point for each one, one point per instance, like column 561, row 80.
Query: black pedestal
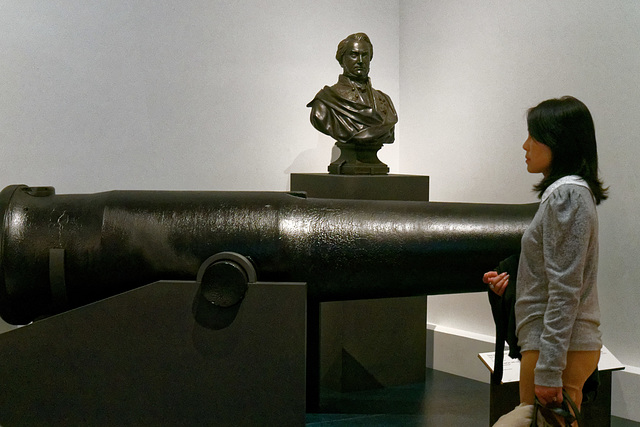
column 364, row 344
column 358, row 159
column 362, row 187
column 139, row 358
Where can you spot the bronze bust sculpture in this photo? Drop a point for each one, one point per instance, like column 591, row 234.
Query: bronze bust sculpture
column 359, row 117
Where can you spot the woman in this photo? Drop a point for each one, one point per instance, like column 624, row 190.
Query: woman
column 557, row 314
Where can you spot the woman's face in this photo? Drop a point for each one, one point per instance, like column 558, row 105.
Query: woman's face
column 538, row 156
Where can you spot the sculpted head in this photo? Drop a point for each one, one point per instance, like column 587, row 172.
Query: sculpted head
column 354, row 55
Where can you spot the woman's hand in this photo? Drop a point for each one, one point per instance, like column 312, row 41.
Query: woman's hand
column 497, row 282
column 549, row 396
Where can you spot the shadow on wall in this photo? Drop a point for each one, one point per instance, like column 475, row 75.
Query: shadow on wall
column 315, row 160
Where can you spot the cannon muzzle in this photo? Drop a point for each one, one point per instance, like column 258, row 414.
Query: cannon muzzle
column 58, row 252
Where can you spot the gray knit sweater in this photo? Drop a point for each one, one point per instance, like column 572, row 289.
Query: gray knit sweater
column 556, row 296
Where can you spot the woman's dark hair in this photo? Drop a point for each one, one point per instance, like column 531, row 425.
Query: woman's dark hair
column 565, row 125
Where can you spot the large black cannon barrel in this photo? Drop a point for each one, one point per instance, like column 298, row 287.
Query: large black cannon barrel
column 62, row 251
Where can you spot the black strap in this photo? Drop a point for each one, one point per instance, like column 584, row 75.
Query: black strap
column 503, row 311
column 57, row 281
column 564, row 411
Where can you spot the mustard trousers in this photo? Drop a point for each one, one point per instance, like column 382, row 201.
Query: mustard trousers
column 580, row 365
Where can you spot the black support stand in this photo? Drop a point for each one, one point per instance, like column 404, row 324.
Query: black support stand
column 139, row 358
column 364, row 344
column 362, row 187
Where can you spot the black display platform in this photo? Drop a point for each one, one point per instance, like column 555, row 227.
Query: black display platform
column 364, row 344
column 140, row 359
column 362, row 187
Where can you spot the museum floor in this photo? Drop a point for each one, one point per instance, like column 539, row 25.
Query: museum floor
column 443, row 400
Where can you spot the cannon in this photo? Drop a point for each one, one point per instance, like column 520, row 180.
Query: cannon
column 166, row 307
column 58, row 252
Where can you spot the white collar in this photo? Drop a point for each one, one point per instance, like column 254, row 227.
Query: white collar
column 569, row 179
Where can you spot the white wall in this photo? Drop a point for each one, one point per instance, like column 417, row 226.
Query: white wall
column 207, row 95
column 468, row 72
column 105, row 95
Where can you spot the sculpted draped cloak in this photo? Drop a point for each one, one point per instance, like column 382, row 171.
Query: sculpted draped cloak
column 353, row 112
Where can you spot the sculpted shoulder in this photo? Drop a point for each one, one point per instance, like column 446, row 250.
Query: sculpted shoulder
column 346, row 91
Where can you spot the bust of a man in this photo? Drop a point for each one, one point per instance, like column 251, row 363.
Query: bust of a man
column 359, row 117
